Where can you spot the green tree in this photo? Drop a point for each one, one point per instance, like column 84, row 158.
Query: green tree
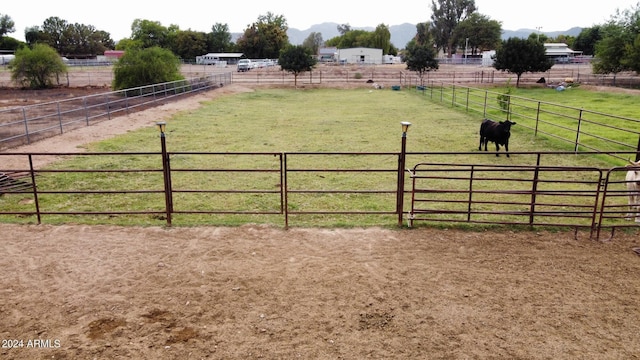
column 71, row 40
column 610, row 51
column 53, row 30
column 264, row 38
column 587, row 39
column 393, row 50
column 564, row 39
column 420, row 58
column 38, row 67
column 351, row 39
column 619, row 48
column 423, row 34
column 9, row 43
column 517, row 56
column 445, row 17
column 219, row 39
column 296, row 60
column 101, row 39
column 125, row 44
column 6, row 25
column 477, row 33
column 140, row 67
column 381, row 39
column 632, row 56
column 539, row 37
column 79, row 40
column 313, row 42
column 149, row 33
column 189, row 44
column 33, row 35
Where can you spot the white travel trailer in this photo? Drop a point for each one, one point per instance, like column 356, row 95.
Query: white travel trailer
column 5, row 58
column 391, row 59
column 210, row 59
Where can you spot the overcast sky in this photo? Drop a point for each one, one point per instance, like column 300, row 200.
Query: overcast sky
column 116, row 16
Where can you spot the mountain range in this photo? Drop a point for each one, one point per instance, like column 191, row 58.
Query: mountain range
column 400, row 34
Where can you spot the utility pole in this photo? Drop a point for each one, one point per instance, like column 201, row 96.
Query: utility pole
column 466, row 45
column 539, row 28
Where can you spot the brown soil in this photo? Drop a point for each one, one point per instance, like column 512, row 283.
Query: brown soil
column 107, row 292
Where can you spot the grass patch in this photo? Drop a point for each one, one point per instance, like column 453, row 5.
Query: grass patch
column 557, row 116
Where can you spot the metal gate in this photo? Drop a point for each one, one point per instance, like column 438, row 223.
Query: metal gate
column 506, row 195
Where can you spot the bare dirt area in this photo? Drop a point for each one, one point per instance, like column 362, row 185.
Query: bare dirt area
column 259, row 292
column 254, row 292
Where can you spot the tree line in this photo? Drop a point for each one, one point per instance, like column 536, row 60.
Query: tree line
column 454, row 25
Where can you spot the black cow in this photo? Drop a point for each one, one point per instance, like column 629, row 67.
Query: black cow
column 498, row 133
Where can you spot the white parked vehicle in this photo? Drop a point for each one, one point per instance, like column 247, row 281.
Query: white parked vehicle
column 244, row 65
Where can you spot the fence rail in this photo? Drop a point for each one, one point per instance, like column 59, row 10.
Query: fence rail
column 297, row 185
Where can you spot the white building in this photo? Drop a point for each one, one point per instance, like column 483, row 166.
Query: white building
column 560, row 52
column 359, row 55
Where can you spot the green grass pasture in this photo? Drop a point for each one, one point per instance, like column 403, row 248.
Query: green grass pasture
column 608, row 121
column 269, row 122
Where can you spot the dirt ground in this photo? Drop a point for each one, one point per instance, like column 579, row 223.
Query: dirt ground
column 258, row 292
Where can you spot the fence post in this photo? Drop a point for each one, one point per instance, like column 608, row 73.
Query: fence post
column 486, row 104
column 285, row 188
column 108, row 109
column 86, row 110
column 534, row 191
column 401, row 166
column 166, row 172
column 468, row 94
column 34, row 188
column 535, row 132
column 59, row 117
column 26, row 125
column 453, row 95
column 469, row 204
column 575, row 148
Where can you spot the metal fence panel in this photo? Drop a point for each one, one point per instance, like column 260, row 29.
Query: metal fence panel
column 24, row 125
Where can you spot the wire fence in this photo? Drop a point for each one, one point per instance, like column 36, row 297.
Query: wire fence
column 581, row 129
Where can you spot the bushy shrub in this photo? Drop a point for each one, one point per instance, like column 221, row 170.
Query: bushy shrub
column 38, row 67
column 140, row 67
column 504, row 98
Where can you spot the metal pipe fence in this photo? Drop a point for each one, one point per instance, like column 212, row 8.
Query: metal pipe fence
column 23, row 125
column 390, row 75
column 583, row 130
column 293, row 186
